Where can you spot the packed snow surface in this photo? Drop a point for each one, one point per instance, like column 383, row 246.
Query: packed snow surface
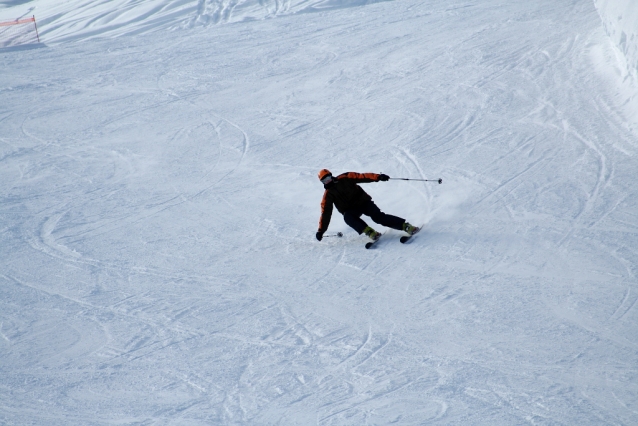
column 159, row 199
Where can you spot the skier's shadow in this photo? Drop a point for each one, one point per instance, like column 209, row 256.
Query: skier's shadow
column 22, row 47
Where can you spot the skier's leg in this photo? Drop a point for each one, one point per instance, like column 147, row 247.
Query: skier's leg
column 379, row 217
column 353, row 218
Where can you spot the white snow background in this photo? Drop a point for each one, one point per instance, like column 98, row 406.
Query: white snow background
column 159, row 199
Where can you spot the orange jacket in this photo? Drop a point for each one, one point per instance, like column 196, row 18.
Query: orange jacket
column 344, row 194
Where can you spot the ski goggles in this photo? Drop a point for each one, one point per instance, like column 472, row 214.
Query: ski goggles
column 327, row 179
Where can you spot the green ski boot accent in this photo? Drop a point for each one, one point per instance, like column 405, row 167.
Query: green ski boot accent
column 374, row 235
column 410, row 229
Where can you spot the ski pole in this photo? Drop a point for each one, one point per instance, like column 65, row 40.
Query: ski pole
column 440, row 181
column 338, row 234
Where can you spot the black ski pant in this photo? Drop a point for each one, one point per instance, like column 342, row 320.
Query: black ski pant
column 353, row 217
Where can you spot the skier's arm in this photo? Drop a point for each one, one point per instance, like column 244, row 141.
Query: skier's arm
column 362, row 177
column 326, row 212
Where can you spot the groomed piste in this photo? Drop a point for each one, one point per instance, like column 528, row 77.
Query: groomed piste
column 159, row 202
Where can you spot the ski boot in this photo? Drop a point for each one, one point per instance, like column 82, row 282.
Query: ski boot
column 410, row 229
column 374, row 235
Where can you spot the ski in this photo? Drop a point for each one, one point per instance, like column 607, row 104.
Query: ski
column 371, row 244
column 404, row 239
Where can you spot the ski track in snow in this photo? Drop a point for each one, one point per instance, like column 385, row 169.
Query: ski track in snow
column 159, row 203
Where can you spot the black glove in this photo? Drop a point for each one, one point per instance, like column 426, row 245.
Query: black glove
column 319, row 235
column 383, row 177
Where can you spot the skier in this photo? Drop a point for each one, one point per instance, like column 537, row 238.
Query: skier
column 352, row 202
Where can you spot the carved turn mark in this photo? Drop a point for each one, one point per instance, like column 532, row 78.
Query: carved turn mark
column 47, row 238
column 4, row 336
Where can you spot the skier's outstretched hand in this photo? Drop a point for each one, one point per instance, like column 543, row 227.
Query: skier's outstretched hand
column 383, row 177
column 319, row 235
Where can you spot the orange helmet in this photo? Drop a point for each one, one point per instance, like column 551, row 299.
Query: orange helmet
column 323, row 173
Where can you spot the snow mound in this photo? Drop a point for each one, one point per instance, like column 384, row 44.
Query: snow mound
column 618, row 61
column 620, row 19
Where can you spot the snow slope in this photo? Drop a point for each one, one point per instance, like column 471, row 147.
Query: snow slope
column 82, row 20
column 159, row 201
